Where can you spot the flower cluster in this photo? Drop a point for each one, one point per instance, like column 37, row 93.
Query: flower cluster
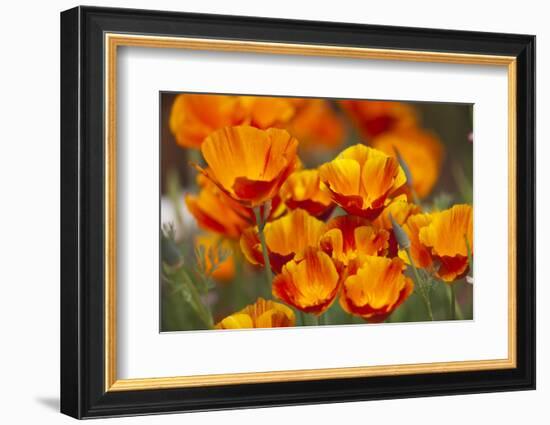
column 333, row 233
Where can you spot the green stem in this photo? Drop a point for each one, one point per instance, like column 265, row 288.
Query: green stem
column 458, row 309
column 421, row 285
column 302, row 318
column 315, row 320
column 193, row 299
column 428, row 303
column 453, row 302
column 415, row 270
column 267, row 264
column 470, row 259
column 309, row 319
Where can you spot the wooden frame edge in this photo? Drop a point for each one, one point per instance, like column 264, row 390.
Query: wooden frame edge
column 114, row 40
column 306, row 375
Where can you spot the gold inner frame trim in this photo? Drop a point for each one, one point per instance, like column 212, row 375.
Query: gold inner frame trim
column 113, row 41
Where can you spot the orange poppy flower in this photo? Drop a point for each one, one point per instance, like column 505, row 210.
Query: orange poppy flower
column 286, row 238
column 310, row 284
column 249, row 164
column 303, row 189
column 422, row 152
column 376, row 289
column 264, row 112
column 195, row 116
column 217, row 212
column 261, row 314
column 446, row 236
column 213, row 247
column 348, row 236
column 316, row 125
column 420, row 254
column 376, row 117
column 363, row 180
column 400, row 210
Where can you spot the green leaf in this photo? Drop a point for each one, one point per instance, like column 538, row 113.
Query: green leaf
column 184, row 287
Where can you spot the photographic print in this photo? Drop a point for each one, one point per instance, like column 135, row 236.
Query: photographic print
column 285, row 211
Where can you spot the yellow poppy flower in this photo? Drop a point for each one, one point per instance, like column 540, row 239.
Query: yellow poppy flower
column 400, row 209
column 249, row 164
column 310, row 284
column 316, row 125
column 303, row 189
column 286, row 238
column 363, row 180
column 420, row 254
column 376, row 117
column 446, row 237
column 261, row 314
column 348, row 236
column 376, row 289
column 221, row 269
column 422, row 152
column 195, row 116
column 217, row 212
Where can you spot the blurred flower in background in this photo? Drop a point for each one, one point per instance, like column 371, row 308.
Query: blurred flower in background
column 217, row 257
column 422, row 152
column 216, row 211
column 374, row 118
column 317, row 125
column 195, row 116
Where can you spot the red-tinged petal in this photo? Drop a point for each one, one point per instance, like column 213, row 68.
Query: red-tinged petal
column 248, row 163
column 255, row 192
column 251, row 246
column 452, row 268
column 310, row 285
column 252, row 250
column 314, row 208
column 278, row 261
column 403, row 295
column 376, row 287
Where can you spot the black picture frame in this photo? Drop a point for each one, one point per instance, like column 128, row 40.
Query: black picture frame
column 82, row 212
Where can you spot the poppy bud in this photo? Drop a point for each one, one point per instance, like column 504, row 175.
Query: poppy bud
column 170, row 252
column 402, row 239
column 404, row 166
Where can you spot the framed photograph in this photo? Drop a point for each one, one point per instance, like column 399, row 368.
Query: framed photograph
column 261, row 212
